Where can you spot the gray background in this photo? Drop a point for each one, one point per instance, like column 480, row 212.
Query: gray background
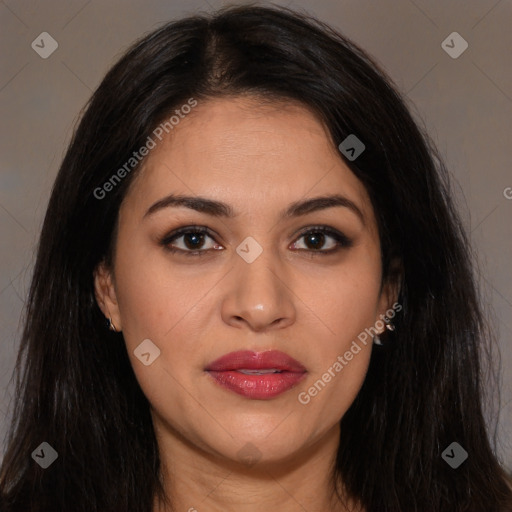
column 464, row 103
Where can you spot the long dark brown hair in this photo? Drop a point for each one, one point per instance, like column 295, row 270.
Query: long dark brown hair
column 75, row 386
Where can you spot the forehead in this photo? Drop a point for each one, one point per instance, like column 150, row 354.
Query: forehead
column 249, row 153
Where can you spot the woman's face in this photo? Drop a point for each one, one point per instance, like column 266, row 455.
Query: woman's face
column 254, row 283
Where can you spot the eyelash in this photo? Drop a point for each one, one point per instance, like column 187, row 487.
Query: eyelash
column 342, row 240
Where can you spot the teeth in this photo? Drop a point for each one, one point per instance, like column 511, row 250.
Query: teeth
column 259, row 372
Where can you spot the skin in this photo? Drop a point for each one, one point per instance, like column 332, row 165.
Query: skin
column 257, row 157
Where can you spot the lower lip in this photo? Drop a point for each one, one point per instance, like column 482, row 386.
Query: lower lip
column 258, row 387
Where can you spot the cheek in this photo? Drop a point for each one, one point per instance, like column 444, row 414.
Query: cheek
column 333, row 392
column 340, row 365
column 156, row 306
column 151, row 299
column 349, row 307
column 351, row 301
column 165, row 307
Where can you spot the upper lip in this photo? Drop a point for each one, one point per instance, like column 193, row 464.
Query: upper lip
column 249, row 360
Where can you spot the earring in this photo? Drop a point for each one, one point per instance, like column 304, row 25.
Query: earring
column 389, row 326
column 111, row 325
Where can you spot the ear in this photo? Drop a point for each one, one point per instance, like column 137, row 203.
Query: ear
column 390, row 292
column 104, row 290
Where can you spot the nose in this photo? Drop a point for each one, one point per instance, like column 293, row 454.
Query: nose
column 258, row 295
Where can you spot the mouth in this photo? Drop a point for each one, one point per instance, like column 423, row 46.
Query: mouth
column 259, row 372
column 257, row 375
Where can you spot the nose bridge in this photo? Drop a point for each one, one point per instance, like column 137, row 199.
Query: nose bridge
column 260, row 275
column 259, row 295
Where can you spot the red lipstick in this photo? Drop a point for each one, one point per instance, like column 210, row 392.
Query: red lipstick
column 257, row 375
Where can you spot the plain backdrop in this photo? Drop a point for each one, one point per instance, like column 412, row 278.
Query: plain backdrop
column 465, row 103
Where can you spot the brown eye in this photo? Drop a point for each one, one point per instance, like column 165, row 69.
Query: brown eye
column 190, row 240
column 323, row 240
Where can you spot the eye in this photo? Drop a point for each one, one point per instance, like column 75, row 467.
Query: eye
column 192, row 243
column 318, row 236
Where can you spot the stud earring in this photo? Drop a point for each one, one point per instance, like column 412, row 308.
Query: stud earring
column 389, row 326
column 111, row 325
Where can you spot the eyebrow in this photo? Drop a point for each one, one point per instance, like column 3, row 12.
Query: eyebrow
column 220, row 209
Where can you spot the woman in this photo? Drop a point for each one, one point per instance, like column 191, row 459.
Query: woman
column 249, row 207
